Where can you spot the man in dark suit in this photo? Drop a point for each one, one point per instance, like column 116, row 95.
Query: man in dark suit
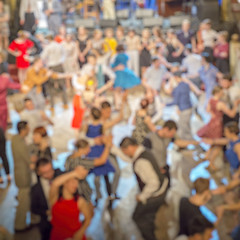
column 40, row 194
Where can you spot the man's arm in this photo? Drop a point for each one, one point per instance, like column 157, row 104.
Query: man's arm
column 182, row 143
column 218, row 141
column 237, row 151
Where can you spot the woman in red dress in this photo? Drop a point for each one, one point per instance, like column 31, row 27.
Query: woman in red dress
column 214, row 128
column 20, row 48
column 67, row 206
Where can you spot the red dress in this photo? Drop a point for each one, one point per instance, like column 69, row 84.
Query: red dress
column 78, row 112
column 5, row 84
column 65, row 219
column 214, row 129
column 22, row 47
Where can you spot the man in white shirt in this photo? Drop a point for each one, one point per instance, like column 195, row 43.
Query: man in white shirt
column 153, row 77
column 152, row 183
column 29, row 15
column 53, row 56
column 208, row 36
column 192, row 63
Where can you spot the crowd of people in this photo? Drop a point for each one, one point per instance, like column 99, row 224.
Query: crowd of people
column 179, row 71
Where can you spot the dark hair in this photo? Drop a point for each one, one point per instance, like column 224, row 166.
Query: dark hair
column 81, row 143
column 96, row 113
column 189, row 47
column 144, row 103
column 128, row 141
column 232, row 127
column 105, row 104
column 21, row 126
column 42, row 162
column 201, row 185
column 154, row 59
column 27, row 99
column 170, row 124
column 198, row 225
column 206, row 56
column 227, row 77
column 120, row 48
column 91, row 55
column 41, row 130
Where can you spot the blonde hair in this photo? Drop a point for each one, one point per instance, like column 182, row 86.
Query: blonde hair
column 224, row 34
column 216, row 89
column 96, row 31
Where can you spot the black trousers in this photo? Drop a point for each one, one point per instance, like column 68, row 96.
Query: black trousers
column 3, row 155
column 144, row 216
column 45, row 228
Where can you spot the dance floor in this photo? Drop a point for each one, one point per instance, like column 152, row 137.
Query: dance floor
column 114, row 225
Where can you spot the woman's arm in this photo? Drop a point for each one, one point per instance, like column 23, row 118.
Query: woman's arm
column 149, row 123
column 85, row 210
column 79, row 172
column 108, row 144
column 221, row 106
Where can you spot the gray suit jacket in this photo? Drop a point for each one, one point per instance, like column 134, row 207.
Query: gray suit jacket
column 21, row 157
column 24, row 8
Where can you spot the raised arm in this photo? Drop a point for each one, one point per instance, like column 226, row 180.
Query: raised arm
column 79, row 172
column 224, row 108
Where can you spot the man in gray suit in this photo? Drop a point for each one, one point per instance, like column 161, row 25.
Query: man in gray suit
column 22, row 174
column 29, row 15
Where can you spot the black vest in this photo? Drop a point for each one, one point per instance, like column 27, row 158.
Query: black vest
column 147, row 155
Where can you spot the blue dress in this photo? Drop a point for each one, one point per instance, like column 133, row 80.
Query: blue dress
column 126, row 78
column 232, row 156
column 96, row 151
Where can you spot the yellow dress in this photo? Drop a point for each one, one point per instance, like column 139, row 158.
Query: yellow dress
column 110, row 44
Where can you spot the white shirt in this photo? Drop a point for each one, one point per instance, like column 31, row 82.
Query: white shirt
column 154, row 76
column 53, row 54
column 147, row 174
column 192, row 63
column 209, row 37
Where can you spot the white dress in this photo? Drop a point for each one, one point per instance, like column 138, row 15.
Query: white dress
column 71, row 61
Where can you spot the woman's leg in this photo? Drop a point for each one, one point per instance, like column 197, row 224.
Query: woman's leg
column 118, row 98
column 5, row 42
column 108, row 185
column 22, row 74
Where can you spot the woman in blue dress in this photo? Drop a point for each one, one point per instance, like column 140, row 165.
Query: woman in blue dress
column 94, row 130
column 125, row 78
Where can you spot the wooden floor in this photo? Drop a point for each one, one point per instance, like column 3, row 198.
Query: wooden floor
column 115, row 225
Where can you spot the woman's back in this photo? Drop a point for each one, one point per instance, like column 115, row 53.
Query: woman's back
column 213, row 106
